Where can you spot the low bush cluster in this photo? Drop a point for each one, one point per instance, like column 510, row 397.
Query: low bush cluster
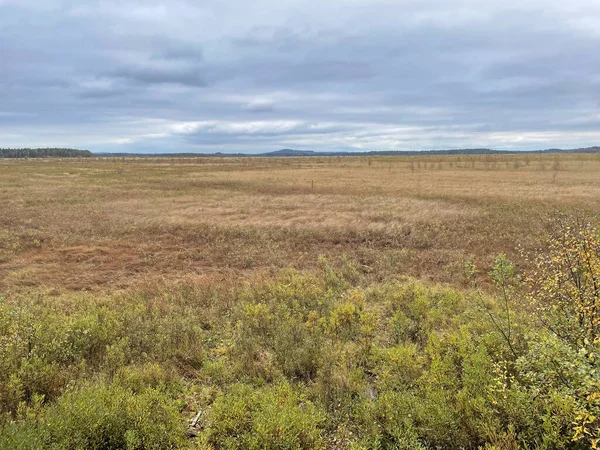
column 311, row 361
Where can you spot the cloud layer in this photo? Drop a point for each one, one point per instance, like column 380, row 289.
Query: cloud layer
column 232, row 75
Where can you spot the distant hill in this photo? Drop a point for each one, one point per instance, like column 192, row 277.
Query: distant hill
column 44, row 153
column 463, row 151
column 290, row 152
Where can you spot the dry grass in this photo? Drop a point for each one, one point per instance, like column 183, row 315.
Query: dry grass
column 106, row 224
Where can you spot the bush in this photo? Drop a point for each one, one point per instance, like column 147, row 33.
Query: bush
column 565, row 292
column 268, row 418
column 99, row 416
column 44, row 347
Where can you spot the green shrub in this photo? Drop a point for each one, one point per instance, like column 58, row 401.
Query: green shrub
column 45, row 347
column 267, row 418
column 278, row 329
column 100, row 416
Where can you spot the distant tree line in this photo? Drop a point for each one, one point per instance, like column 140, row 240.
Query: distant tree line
column 43, row 153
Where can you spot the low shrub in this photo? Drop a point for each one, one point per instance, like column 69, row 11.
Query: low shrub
column 275, row 417
column 99, row 416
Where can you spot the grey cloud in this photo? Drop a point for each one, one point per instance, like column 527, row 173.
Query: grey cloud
column 260, row 105
column 152, row 75
column 323, row 75
column 107, row 93
column 180, row 52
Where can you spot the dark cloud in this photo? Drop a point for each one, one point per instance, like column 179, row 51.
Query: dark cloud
column 232, row 76
column 185, row 52
column 152, row 75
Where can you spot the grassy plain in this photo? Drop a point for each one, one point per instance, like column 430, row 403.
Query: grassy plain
column 296, row 303
column 106, row 224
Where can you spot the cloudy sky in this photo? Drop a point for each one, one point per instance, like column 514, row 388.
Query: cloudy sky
column 239, row 75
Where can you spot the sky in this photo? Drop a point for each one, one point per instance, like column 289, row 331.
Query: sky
column 253, row 76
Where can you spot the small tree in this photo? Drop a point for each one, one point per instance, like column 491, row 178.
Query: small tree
column 566, row 282
column 565, row 290
column 506, row 281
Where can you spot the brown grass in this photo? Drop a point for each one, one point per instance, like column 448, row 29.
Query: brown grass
column 108, row 223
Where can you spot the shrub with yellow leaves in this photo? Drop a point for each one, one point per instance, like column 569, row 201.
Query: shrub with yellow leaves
column 566, row 295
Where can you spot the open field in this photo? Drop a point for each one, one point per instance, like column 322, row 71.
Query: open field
column 105, row 224
column 299, row 303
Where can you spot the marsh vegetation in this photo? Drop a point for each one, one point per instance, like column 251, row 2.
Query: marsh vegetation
column 296, row 303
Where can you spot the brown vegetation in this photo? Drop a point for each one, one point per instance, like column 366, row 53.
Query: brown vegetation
column 102, row 224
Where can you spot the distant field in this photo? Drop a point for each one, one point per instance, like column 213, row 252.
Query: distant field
column 300, row 303
column 104, row 224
